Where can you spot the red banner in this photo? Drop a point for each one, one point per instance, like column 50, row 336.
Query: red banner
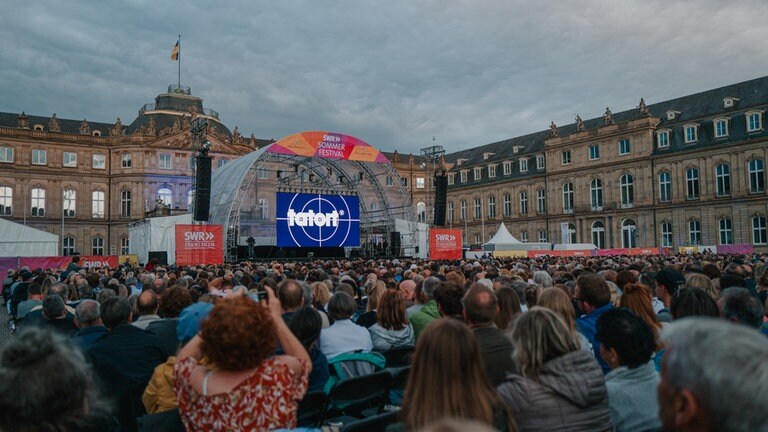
column 630, row 251
column 444, row 244
column 93, row 261
column 45, row 263
column 199, row 244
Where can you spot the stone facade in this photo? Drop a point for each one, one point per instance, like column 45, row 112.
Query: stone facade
column 86, row 181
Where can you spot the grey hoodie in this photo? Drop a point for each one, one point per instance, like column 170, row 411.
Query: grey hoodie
column 385, row 340
column 568, row 395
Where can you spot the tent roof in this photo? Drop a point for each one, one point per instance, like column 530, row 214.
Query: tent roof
column 503, row 237
column 12, row 232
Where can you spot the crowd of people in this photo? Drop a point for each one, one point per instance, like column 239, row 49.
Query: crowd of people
column 642, row 343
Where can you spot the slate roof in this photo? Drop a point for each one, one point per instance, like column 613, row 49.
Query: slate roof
column 11, row 120
column 752, row 93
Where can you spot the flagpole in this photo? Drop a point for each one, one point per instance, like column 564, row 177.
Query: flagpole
column 179, row 82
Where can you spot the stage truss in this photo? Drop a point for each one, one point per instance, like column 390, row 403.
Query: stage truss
column 243, row 197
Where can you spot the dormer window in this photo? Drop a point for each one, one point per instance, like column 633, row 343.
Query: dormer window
column 460, row 161
column 491, row 171
column 729, row 102
column 672, row 114
column 478, row 173
column 96, row 133
column 488, row 155
column 516, row 149
column 721, row 127
column 691, row 133
column 37, row 127
column 754, row 121
column 463, row 176
column 507, row 168
column 662, row 138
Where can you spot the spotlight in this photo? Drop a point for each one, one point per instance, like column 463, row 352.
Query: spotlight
column 205, row 148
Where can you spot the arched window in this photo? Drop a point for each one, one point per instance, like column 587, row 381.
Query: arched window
column 666, row 234
column 571, row 233
column 694, row 232
column 68, row 246
column 759, row 230
column 598, row 234
column 507, row 205
column 692, row 183
column 450, row 211
column 524, row 203
column 97, row 246
column 6, row 201
column 463, row 210
column 628, row 233
column 478, row 209
column 665, row 187
column 542, row 236
column 421, row 210
column 125, row 203
column 492, row 207
column 263, row 209
column 98, row 204
column 165, row 195
column 70, row 202
column 627, row 184
column 756, row 176
column 723, row 179
column 726, row 231
column 124, row 246
column 38, row 202
column 541, row 201
column 596, row 194
column 568, row 198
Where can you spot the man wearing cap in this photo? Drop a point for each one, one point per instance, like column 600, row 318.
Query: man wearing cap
column 668, row 282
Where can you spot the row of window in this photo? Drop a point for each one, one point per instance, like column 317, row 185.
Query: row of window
column 69, row 203
column 626, row 188
column 97, row 246
column 629, row 233
column 720, row 127
column 477, row 172
column 69, row 159
column 625, row 148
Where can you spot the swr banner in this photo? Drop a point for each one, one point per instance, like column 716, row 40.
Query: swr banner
column 445, row 244
column 199, row 244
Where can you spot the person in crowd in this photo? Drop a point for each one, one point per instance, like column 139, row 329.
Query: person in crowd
column 593, row 296
column 53, row 314
column 429, row 312
column 407, row 288
column 291, row 296
column 147, row 306
column 627, row 344
column 392, row 329
column 419, row 299
column 88, row 322
column 448, row 297
column 46, row 385
column 692, row 302
column 560, row 387
column 306, row 324
column 343, row 335
column 34, row 299
column 374, row 291
column 242, row 387
column 739, row 306
column 713, row 377
column 124, row 359
column 668, row 281
column 173, row 301
column 637, row 298
column 701, row 281
column 509, row 306
column 556, row 300
column 480, row 309
column 445, row 361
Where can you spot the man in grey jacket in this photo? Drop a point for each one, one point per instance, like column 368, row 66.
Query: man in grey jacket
column 627, row 344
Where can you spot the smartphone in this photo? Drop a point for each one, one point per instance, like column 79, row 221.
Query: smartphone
column 262, row 295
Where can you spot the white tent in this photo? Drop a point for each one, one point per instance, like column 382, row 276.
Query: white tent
column 156, row 234
column 21, row 240
column 503, row 240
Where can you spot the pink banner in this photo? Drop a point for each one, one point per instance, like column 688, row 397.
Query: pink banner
column 327, row 145
column 630, row 251
column 10, row 263
column 743, row 249
column 45, row 263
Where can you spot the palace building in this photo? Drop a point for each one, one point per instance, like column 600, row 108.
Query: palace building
column 87, row 181
column 683, row 172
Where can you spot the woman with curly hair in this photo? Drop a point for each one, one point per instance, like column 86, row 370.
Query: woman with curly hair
column 242, row 386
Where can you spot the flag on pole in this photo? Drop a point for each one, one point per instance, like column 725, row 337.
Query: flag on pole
column 175, row 52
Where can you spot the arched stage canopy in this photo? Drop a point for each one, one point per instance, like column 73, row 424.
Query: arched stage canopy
column 243, row 191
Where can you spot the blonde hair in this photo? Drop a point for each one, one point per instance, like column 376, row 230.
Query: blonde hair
column 556, row 300
column 698, row 280
column 540, row 335
column 320, row 293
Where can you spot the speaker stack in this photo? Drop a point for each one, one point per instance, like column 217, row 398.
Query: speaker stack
column 441, row 198
column 202, row 188
column 394, row 243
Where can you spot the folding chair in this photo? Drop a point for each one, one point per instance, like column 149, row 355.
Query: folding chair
column 397, row 386
column 312, row 409
column 359, row 397
column 377, row 423
column 399, row 357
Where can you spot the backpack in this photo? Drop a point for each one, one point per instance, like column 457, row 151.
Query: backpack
column 354, row 364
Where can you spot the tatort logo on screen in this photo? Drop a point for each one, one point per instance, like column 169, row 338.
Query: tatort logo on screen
column 312, row 220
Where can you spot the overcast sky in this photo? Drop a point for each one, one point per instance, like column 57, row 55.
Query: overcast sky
column 392, row 73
